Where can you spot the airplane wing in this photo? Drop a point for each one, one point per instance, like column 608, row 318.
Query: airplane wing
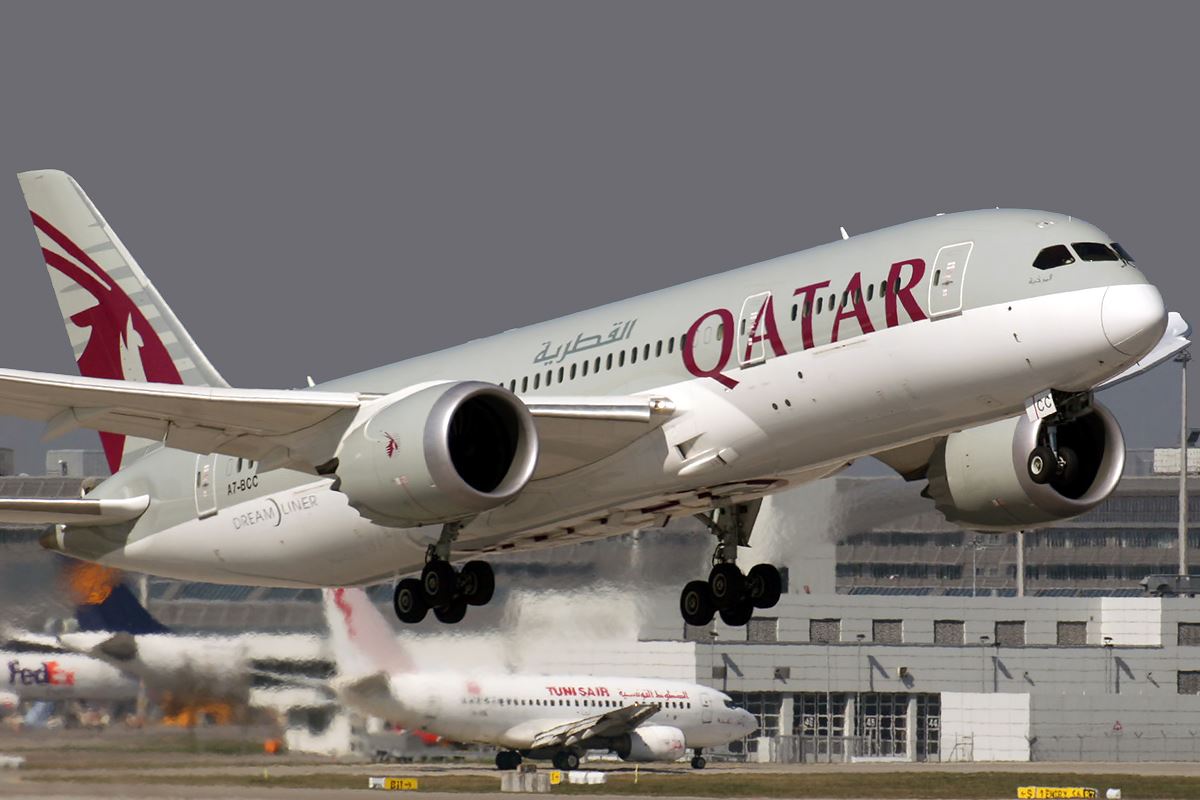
column 612, row 723
column 70, row 510
column 283, row 427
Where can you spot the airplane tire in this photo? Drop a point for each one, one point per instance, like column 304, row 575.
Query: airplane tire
column 438, row 581
column 409, row 601
column 727, row 584
column 764, row 585
column 699, row 762
column 696, row 604
column 507, row 760
column 452, row 613
column 477, row 582
column 570, row 760
column 1042, row 465
column 738, row 614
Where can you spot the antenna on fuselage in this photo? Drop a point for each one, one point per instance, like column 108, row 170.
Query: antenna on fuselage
column 845, row 235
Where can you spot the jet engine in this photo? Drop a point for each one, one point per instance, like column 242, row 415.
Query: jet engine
column 651, row 743
column 440, row 454
column 980, row 478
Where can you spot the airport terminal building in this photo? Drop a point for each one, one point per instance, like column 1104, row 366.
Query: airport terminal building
column 881, row 647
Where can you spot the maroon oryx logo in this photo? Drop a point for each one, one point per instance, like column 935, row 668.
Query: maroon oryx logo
column 392, row 444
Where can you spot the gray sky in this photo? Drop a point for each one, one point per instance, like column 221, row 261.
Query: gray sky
column 322, row 188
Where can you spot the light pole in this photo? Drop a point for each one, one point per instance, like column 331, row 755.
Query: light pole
column 983, row 640
column 1183, row 359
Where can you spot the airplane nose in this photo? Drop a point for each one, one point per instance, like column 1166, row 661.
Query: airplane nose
column 1133, row 318
column 747, row 721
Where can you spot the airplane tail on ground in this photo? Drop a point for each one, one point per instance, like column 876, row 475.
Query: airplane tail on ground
column 104, row 602
column 119, row 325
column 363, row 641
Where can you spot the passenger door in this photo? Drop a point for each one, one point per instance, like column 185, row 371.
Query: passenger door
column 946, row 283
column 751, row 325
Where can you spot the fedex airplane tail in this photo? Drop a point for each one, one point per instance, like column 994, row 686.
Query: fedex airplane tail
column 119, row 326
column 104, row 602
column 363, row 642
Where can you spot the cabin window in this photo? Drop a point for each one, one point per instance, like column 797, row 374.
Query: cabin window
column 721, row 330
column 608, row 362
column 633, row 356
column 524, row 384
column 870, row 292
column 882, row 288
column 585, row 368
column 793, row 312
column 1123, row 253
column 808, row 308
column 573, row 370
column 857, row 296
column 596, row 368
column 537, row 380
column 560, row 374
column 549, row 375
column 658, row 349
column 1095, row 251
column 820, row 301
column 1056, row 255
column 621, row 359
column 671, row 345
column 832, row 301
column 646, row 351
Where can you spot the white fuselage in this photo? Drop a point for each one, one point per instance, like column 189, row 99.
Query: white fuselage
column 63, row 676
column 759, row 406
column 509, row 711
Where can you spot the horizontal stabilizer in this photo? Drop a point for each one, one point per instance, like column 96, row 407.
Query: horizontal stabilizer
column 71, row 510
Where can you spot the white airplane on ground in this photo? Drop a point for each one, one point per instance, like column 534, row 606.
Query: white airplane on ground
column 962, row 350
column 28, row 672
column 530, row 716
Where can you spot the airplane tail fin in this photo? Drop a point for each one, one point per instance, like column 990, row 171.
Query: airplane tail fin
column 363, row 641
column 119, row 326
column 104, row 602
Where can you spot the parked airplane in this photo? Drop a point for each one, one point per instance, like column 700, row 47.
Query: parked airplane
column 699, row 400
column 117, row 632
column 531, row 716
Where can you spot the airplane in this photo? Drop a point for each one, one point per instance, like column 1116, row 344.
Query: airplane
column 113, row 628
column 529, row 716
column 962, row 350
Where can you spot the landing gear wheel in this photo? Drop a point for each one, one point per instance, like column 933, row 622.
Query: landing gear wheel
column 477, row 582
column 508, row 760
column 764, row 585
column 438, row 581
column 698, row 762
column 570, row 760
column 738, row 614
column 409, row 601
column 1068, row 469
column 452, row 613
column 727, row 584
column 696, row 603
column 1042, row 465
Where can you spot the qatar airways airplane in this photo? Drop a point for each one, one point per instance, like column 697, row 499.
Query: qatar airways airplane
column 962, row 350
column 529, row 716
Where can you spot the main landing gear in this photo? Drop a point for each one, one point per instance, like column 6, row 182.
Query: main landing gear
column 728, row 591
column 508, row 760
column 698, row 761
column 566, row 760
column 443, row 588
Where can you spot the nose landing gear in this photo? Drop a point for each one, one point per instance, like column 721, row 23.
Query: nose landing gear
column 728, row 591
column 441, row 587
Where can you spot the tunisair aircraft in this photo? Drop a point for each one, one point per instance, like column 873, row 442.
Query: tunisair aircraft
column 962, row 350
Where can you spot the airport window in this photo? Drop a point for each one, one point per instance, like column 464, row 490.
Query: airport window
column 1056, row 255
column 1124, row 254
column 1010, row 633
column 948, row 632
column 765, row 706
column 1095, row 251
column 824, row 630
column 1189, row 634
column 1189, row 682
column 887, row 631
column 882, row 719
column 820, row 718
column 1072, row 634
column 762, row 629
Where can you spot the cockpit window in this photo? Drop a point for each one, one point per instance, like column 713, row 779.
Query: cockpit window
column 1055, row 255
column 1123, row 253
column 1094, row 251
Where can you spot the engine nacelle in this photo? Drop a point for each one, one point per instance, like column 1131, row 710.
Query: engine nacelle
column 440, row 454
column 979, row 478
column 651, row 743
